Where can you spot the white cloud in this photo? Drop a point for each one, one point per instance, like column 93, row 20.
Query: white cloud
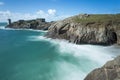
column 40, row 12
column 50, row 15
column 52, row 11
column 1, row 3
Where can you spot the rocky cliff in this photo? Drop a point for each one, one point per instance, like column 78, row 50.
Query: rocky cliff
column 30, row 24
column 102, row 29
column 110, row 71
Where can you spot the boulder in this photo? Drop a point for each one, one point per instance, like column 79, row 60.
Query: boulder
column 110, row 71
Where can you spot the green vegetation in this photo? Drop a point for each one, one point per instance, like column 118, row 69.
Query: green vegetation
column 97, row 18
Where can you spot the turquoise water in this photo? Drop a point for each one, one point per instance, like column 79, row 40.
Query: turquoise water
column 28, row 55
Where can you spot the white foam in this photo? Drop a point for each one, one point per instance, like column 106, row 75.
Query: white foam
column 95, row 55
column 68, row 71
column 3, row 27
column 34, row 30
column 99, row 54
column 38, row 38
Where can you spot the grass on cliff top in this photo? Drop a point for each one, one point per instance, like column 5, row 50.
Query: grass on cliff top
column 97, row 18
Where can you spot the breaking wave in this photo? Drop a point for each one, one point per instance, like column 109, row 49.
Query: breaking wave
column 78, row 60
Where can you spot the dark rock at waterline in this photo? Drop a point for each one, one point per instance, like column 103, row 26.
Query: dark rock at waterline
column 40, row 24
column 110, row 71
column 102, row 29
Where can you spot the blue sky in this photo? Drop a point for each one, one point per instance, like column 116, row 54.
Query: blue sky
column 60, row 8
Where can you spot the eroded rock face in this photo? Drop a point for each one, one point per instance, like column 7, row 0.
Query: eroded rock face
column 110, row 71
column 40, row 24
column 86, row 31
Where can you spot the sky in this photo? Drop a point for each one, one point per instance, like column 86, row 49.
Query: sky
column 54, row 9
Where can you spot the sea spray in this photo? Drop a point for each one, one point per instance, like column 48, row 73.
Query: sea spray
column 76, row 60
column 93, row 51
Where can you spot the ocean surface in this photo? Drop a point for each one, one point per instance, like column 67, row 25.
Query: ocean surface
column 28, row 55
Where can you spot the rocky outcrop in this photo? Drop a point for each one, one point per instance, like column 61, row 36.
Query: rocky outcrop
column 40, row 24
column 110, row 71
column 88, row 29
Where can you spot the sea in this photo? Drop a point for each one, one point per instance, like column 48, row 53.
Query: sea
column 29, row 55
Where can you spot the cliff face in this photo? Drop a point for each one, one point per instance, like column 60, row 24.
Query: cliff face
column 88, row 29
column 110, row 71
column 30, row 24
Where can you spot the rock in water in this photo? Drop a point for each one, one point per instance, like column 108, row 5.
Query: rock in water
column 102, row 29
column 40, row 24
column 110, row 71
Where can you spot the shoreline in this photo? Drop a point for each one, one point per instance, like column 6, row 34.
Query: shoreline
column 102, row 33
